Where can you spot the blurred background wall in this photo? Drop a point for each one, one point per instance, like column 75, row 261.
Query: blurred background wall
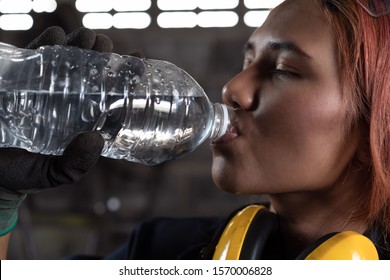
column 96, row 215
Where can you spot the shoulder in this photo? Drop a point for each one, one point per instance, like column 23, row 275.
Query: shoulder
column 381, row 241
column 172, row 238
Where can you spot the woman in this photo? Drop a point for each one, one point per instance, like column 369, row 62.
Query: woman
column 312, row 131
column 313, row 110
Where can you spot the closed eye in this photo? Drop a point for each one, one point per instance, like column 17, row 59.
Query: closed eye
column 284, row 71
column 280, row 73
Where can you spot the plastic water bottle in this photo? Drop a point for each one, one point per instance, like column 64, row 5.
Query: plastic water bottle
column 148, row 111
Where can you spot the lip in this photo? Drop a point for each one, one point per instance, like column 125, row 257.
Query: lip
column 229, row 136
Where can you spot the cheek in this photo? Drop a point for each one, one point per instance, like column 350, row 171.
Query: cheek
column 303, row 140
column 301, row 117
column 299, row 113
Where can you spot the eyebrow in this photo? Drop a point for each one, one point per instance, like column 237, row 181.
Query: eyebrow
column 286, row 46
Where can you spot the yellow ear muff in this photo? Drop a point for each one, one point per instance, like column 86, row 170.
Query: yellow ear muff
column 246, row 234
column 233, row 237
column 347, row 245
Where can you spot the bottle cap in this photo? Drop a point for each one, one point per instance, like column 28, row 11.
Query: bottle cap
column 222, row 120
column 225, row 121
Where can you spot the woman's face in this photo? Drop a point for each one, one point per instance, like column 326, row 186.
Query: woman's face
column 290, row 134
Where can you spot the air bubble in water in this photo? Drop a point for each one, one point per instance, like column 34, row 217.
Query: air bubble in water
column 93, row 71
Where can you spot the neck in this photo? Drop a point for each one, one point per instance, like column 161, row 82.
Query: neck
column 305, row 217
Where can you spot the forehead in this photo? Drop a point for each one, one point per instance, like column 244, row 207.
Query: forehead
column 298, row 21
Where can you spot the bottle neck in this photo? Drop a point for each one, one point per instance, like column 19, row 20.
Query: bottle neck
column 223, row 117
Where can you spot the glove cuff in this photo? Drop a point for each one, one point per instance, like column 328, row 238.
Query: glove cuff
column 9, row 205
column 10, row 199
column 8, row 224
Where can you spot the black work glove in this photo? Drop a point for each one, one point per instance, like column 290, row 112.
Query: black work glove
column 22, row 172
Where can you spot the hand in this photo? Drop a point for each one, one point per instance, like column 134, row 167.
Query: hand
column 82, row 37
column 22, row 172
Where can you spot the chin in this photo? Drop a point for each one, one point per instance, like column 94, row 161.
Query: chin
column 234, row 178
column 224, row 175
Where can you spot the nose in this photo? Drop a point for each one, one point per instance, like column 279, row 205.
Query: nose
column 240, row 91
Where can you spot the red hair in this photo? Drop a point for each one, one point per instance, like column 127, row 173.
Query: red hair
column 363, row 44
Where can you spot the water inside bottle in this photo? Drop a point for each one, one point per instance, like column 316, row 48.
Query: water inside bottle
column 161, row 128
column 147, row 129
